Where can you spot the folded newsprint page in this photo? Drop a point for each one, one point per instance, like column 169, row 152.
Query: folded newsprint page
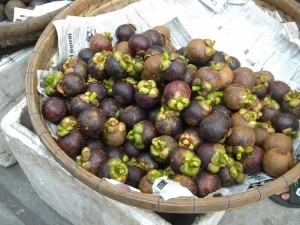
column 239, row 27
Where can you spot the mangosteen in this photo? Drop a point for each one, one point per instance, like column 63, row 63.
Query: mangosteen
column 155, row 37
column 244, row 76
column 147, row 94
column 75, row 65
column 138, row 44
column 114, row 169
column 98, row 88
column 72, row 85
column 92, row 121
column 213, row 156
column 125, row 31
column 232, row 61
column 82, row 102
column 187, row 182
column 90, row 159
column 196, row 111
column 215, row 127
column 108, row 84
column 96, row 65
column 164, row 30
column 207, row 183
column 278, row 140
column 117, row 152
column 122, row 47
column 146, row 182
column 51, row 82
column 270, row 109
column 277, row 89
column 94, row 143
column 245, row 117
column 291, row 103
column 114, row 132
column 207, row 79
column 176, row 95
column 85, row 54
column 153, row 50
column 141, row 134
column 232, row 174
column 54, row 109
column 66, row 125
column 262, row 131
column 152, row 113
column 253, row 162
column 236, row 96
column 111, row 107
column 184, row 161
column 190, row 138
column 172, row 68
column 101, row 41
column 123, row 92
column 286, row 123
column 265, row 77
column 146, row 162
column 113, row 66
column 135, row 174
column 72, row 143
column 168, row 122
column 152, row 68
column 199, row 51
column 240, row 141
column 131, row 115
column 130, row 150
column 225, row 72
column 162, row 148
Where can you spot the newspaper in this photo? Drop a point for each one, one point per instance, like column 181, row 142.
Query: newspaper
column 21, row 14
column 239, row 28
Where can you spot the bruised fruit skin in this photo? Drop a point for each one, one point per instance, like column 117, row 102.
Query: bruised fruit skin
column 90, row 159
column 91, row 122
column 101, row 41
column 162, row 148
column 114, row 132
column 54, row 109
column 186, row 182
column 240, row 141
column 199, row 51
column 277, row 162
column 253, row 161
column 207, row 183
column 278, row 140
column 244, row 76
column 184, row 161
column 146, row 182
column 72, row 143
column 236, row 96
column 114, row 169
column 176, row 95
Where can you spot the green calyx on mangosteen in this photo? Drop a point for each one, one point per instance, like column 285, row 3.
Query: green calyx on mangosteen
column 114, row 132
column 184, row 161
column 291, row 103
column 66, row 125
column 190, row 138
column 146, row 182
column 176, row 95
column 90, row 159
column 245, row 117
column 162, row 148
column 51, row 82
column 113, row 168
column 76, row 66
column 213, row 156
column 141, row 134
column 147, row 94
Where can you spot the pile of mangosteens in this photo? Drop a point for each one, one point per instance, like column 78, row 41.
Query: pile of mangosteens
column 141, row 109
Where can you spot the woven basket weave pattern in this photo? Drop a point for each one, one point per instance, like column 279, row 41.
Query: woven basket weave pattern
column 47, row 45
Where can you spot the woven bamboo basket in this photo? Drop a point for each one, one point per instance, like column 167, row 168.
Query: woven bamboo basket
column 25, row 32
column 42, row 53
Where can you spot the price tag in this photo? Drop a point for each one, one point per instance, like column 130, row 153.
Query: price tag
column 215, row 5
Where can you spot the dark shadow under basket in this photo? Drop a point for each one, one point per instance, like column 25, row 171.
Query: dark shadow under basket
column 24, row 32
column 42, row 53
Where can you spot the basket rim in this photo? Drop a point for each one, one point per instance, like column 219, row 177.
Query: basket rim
column 147, row 201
